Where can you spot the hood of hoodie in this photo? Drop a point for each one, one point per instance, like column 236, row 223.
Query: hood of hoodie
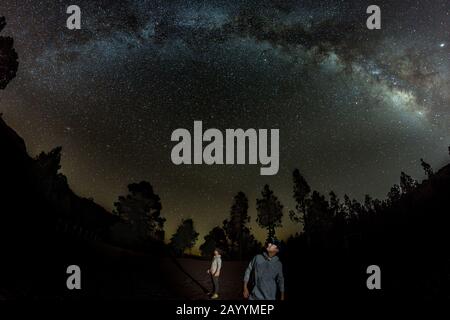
column 273, row 259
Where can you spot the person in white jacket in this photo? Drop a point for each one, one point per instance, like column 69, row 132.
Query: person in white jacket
column 214, row 272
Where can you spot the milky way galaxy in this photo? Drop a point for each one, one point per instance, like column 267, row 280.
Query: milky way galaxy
column 355, row 107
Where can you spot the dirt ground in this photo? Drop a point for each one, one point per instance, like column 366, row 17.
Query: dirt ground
column 114, row 273
column 193, row 283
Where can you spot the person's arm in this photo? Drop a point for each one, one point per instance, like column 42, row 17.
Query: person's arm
column 211, row 268
column 246, row 293
column 248, row 272
column 280, row 281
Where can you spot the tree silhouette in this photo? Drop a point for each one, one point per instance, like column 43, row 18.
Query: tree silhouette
column 236, row 225
column 394, row 194
column 8, row 58
column 301, row 192
column 141, row 210
column 318, row 215
column 335, row 204
column 47, row 166
column 216, row 238
column 407, row 184
column 185, row 237
column 427, row 168
column 313, row 211
column 49, row 162
column 249, row 245
column 270, row 211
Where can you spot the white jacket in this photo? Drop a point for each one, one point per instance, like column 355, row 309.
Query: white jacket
column 216, row 265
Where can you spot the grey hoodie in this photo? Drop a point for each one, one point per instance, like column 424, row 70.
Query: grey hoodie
column 268, row 274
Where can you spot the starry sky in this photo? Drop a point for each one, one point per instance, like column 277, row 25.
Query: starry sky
column 355, row 107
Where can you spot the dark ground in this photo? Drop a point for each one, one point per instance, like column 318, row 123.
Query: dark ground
column 192, row 287
column 113, row 273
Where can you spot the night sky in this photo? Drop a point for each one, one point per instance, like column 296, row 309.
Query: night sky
column 355, row 107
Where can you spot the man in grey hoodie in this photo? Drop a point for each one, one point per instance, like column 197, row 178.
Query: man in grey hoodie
column 267, row 273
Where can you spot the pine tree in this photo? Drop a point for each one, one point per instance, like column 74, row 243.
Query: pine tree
column 141, row 209
column 407, row 184
column 301, row 192
column 270, row 211
column 394, row 194
column 427, row 168
column 236, row 225
column 185, row 237
column 216, row 238
column 8, row 58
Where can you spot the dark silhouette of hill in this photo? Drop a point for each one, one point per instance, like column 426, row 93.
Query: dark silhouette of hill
column 45, row 226
column 406, row 235
column 42, row 221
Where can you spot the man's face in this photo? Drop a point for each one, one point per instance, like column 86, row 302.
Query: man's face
column 272, row 248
